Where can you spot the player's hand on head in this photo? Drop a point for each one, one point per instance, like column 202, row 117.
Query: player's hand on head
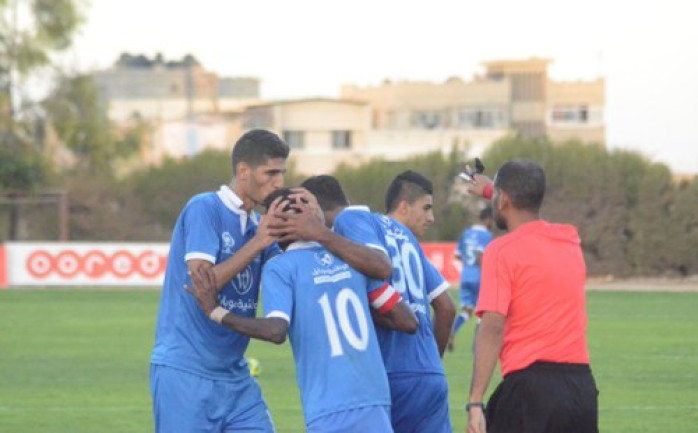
column 303, row 222
column 264, row 232
column 305, row 199
column 205, row 288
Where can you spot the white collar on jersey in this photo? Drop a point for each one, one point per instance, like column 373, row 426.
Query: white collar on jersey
column 233, row 202
column 358, row 207
column 478, row 227
column 302, row 245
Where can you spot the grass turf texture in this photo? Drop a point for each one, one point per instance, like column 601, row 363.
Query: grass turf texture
column 77, row 361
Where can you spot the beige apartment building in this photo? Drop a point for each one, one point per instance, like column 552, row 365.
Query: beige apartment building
column 512, row 95
column 192, row 109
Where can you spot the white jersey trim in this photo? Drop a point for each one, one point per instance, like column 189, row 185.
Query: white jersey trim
column 377, row 247
column 279, row 314
column 200, row 256
column 358, row 207
column 439, row 290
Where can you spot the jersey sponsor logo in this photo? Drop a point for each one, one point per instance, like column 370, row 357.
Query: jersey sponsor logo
column 228, row 243
column 324, row 258
column 238, row 305
column 243, row 281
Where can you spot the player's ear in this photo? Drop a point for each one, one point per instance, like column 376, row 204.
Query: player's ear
column 243, row 171
column 403, row 207
column 503, row 202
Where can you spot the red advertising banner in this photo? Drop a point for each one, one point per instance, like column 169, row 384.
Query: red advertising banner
column 127, row 264
column 3, row 268
column 112, row 264
column 442, row 255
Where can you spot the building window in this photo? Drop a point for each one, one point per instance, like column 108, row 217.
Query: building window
column 341, row 139
column 570, row 114
column 428, row 119
column 294, row 139
column 481, row 118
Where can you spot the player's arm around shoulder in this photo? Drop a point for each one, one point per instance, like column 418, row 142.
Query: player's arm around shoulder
column 390, row 311
column 205, row 290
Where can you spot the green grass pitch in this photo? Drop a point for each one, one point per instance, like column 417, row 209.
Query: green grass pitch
column 77, row 361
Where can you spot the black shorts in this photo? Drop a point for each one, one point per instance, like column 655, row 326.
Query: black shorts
column 545, row 397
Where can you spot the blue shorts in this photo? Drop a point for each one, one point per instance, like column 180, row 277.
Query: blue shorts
column 373, row 419
column 420, row 403
column 468, row 293
column 186, row 402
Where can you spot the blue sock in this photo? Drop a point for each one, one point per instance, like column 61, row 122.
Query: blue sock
column 460, row 320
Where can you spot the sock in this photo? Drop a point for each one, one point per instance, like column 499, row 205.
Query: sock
column 460, row 320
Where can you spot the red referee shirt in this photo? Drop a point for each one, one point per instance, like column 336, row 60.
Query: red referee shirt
column 535, row 276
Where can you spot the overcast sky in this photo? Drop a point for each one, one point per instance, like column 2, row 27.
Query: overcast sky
column 646, row 50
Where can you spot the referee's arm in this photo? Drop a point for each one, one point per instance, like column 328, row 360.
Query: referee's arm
column 488, row 343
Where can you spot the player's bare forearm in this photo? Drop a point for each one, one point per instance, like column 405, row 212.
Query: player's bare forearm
column 444, row 315
column 400, row 318
column 229, row 268
column 487, row 346
column 369, row 261
column 272, row 329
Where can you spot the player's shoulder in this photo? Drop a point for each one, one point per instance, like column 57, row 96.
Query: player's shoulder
column 203, row 199
column 354, row 212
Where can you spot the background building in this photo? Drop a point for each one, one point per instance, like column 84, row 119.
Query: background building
column 513, row 95
column 191, row 109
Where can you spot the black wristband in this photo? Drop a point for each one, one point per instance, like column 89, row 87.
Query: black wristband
column 479, row 404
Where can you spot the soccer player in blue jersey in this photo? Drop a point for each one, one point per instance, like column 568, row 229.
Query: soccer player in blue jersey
column 323, row 305
column 199, row 378
column 419, row 391
column 470, row 247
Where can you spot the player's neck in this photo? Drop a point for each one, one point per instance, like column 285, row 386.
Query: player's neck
column 518, row 219
column 247, row 202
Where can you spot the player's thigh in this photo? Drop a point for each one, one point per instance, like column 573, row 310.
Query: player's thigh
column 250, row 412
column 184, row 402
column 420, row 404
column 373, row 419
column 468, row 294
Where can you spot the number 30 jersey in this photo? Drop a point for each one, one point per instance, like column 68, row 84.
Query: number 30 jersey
column 414, row 277
column 338, row 361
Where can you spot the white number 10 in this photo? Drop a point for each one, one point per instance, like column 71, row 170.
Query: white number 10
column 345, row 297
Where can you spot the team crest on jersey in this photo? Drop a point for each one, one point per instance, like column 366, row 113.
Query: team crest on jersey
column 324, row 258
column 243, row 281
column 228, row 243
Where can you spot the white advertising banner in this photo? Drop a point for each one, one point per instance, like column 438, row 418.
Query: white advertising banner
column 85, row 264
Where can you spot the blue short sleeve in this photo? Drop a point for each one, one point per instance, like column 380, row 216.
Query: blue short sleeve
column 277, row 291
column 358, row 226
column 434, row 282
column 200, row 231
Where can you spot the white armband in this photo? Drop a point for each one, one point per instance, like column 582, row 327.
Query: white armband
column 217, row 314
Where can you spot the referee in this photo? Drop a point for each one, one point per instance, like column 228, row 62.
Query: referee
column 533, row 310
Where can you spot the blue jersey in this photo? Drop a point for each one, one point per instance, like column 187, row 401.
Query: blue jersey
column 338, row 361
column 414, row 277
column 471, row 243
column 211, row 227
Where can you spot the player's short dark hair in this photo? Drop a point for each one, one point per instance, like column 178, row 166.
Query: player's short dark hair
column 486, row 214
column 327, row 191
column 256, row 146
column 409, row 186
column 524, row 182
column 281, row 192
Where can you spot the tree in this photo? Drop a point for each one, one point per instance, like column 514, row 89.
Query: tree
column 80, row 120
column 29, row 31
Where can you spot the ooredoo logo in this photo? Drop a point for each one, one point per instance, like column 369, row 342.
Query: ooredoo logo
column 96, row 264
